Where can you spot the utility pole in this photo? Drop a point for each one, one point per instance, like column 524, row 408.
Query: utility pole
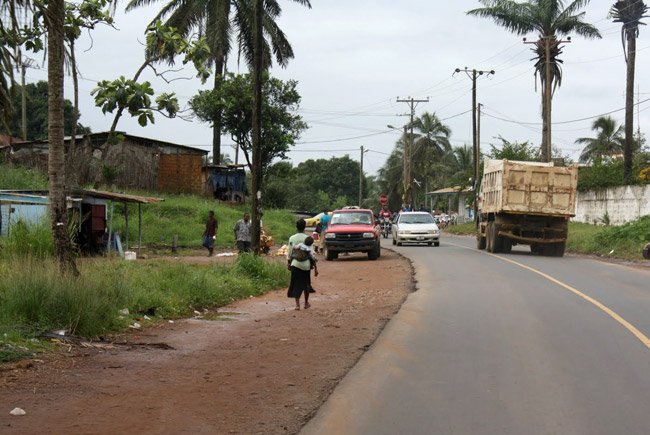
column 407, row 164
column 475, row 128
column 477, row 157
column 547, row 41
column 361, row 176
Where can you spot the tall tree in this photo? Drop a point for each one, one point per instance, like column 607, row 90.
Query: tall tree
column 54, row 19
column 629, row 13
column 219, row 21
column 550, row 19
column 608, row 140
column 282, row 125
column 429, row 147
column 258, row 68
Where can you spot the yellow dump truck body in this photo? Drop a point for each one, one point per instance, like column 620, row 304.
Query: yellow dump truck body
column 532, row 188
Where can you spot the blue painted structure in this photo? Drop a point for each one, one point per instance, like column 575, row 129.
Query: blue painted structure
column 16, row 207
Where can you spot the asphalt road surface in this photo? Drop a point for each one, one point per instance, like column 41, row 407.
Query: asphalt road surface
column 504, row 344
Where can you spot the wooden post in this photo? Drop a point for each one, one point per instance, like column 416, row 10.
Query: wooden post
column 126, row 220
column 139, row 229
column 174, row 243
column 110, row 228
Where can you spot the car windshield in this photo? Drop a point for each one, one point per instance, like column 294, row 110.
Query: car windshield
column 416, row 219
column 351, row 218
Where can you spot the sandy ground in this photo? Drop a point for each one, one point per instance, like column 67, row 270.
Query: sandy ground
column 263, row 368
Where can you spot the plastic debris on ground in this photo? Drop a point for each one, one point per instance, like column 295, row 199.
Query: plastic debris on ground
column 226, row 254
column 125, row 311
column 136, row 325
column 17, row 411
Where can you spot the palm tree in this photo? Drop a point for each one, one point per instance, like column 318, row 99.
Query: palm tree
column 218, row 20
column 429, row 147
column 630, row 13
column 608, row 140
column 54, row 21
column 550, row 19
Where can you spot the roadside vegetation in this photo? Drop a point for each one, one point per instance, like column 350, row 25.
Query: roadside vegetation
column 93, row 304
column 18, row 177
column 624, row 241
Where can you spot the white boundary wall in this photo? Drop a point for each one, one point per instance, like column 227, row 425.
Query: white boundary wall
column 622, row 204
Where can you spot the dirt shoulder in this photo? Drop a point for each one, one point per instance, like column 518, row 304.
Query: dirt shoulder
column 263, row 368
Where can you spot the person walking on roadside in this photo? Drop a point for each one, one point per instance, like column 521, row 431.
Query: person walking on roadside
column 324, row 223
column 243, row 234
column 210, row 233
column 300, row 263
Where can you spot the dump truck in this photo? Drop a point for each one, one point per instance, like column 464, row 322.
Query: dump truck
column 525, row 203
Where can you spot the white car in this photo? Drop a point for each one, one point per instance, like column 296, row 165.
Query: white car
column 415, row 227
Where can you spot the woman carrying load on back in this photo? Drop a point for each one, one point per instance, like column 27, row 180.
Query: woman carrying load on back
column 300, row 258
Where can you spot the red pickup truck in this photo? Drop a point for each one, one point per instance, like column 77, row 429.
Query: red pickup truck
column 352, row 230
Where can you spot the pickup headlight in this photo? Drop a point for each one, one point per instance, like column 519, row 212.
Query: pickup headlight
column 403, row 232
column 368, row 235
column 433, row 232
column 330, row 235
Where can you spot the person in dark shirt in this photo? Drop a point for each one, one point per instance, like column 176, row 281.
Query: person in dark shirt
column 210, row 233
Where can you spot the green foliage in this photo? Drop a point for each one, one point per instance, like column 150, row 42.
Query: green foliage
column 28, row 239
column 626, row 240
column 21, row 178
column 37, row 121
column 601, row 174
column 313, row 185
column 521, row 151
column 89, row 305
column 233, row 99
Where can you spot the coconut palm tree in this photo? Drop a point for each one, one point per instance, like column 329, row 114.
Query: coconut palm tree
column 630, row 13
column 220, row 21
column 54, row 14
column 429, row 146
column 550, row 19
column 608, row 140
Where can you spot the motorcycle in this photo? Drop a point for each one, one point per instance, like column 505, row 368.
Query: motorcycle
column 385, row 227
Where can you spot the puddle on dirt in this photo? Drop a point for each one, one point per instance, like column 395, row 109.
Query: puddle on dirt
column 224, row 316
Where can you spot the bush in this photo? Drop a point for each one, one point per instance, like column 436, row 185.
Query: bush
column 626, row 240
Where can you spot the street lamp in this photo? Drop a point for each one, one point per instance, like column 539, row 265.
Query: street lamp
column 406, row 167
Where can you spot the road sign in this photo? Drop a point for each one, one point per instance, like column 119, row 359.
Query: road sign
column 383, row 199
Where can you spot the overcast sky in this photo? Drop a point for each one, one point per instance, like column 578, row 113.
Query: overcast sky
column 353, row 58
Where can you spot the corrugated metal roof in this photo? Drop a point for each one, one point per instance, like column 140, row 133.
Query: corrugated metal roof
column 122, row 197
column 446, row 191
column 101, row 194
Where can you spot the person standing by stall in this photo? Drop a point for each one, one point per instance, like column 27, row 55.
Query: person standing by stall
column 243, row 234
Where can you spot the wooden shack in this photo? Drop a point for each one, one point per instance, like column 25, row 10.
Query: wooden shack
column 129, row 163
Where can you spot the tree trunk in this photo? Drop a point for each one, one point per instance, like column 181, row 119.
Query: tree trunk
column 546, row 105
column 56, row 164
column 628, row 151
column 75, row 83
column 257, row 123
column 216, row 122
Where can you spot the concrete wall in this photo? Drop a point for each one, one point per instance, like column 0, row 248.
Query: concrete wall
column 622, row 204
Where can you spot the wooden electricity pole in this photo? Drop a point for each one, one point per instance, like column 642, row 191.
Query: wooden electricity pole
column 406, row 200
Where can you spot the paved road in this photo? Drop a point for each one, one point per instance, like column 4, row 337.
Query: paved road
column 487, row 346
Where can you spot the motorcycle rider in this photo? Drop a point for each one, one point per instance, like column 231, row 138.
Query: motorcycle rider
column 384, row 214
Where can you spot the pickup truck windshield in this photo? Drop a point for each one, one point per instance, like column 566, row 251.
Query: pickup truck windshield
column 351, row 218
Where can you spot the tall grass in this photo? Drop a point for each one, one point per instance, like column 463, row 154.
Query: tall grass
column 28, row 239
column 33, row 296
column 19, row 177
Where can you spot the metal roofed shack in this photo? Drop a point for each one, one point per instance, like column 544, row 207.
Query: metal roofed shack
column 133, row 163
column 91, row 206
column 451, row 192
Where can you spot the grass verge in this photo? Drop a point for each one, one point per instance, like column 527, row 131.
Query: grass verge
column 35, row 298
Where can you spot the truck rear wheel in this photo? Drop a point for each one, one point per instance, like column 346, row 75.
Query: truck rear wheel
column 497, row 243
column 559, row 249
column 488, row 236
column 506, row 245
column 480, row 240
